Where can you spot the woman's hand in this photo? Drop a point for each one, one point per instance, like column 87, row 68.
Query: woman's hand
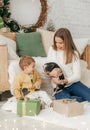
column 56, row 72
column 58, row 81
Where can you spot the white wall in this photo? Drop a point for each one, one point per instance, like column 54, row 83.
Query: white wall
column 72, row 14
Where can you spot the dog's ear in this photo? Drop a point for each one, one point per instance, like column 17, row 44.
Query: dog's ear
column 47, row 67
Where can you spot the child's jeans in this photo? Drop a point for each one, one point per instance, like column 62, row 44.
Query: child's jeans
column 77, row 91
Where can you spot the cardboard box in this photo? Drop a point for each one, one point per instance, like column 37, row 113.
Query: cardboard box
column 68, row 107
column 29, row 107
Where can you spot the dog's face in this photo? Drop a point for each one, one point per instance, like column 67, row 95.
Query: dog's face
column 48, row 67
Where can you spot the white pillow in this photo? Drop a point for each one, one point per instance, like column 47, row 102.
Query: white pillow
column 11, row 47
column 13, row 70
column 81, row 43
column 47, row 38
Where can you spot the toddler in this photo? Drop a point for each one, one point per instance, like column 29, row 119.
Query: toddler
column 28, row 82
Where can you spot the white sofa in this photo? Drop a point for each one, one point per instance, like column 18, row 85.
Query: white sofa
column 47, row 39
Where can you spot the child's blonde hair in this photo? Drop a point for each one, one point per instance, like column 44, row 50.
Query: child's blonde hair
column 25, row 61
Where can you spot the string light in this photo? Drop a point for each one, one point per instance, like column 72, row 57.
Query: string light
column 44, row 124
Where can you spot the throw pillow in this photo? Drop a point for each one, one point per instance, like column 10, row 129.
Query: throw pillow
column 81, row 43
column 30, row 44
column 47, row 38
column 11, row 47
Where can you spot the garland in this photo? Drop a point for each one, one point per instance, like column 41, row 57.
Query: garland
column 13, row 24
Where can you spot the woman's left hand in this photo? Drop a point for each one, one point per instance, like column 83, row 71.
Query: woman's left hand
column 58, row 81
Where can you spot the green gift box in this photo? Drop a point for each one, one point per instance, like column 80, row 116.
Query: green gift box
column 29, row 107
column 1, row 23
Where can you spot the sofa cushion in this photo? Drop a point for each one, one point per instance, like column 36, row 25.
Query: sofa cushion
column 81, row 43
column 30, row 44
column 11, row 44
column 47, row 38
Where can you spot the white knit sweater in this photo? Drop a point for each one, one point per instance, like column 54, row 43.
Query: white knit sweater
column 71, row 71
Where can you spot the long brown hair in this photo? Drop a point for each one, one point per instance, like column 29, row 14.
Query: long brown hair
column 70, row 47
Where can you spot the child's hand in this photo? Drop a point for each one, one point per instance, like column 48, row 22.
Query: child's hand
column 36, row 85
column 18, row 99
column 33, row 87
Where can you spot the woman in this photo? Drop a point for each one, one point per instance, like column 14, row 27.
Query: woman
column 66, row 55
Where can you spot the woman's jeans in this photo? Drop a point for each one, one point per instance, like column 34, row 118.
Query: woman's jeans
column 77, row 91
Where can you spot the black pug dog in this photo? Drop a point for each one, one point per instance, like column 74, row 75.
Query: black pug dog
column 48, row 67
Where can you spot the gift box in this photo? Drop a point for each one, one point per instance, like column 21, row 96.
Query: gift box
column 68, row 107
column 29, row 107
